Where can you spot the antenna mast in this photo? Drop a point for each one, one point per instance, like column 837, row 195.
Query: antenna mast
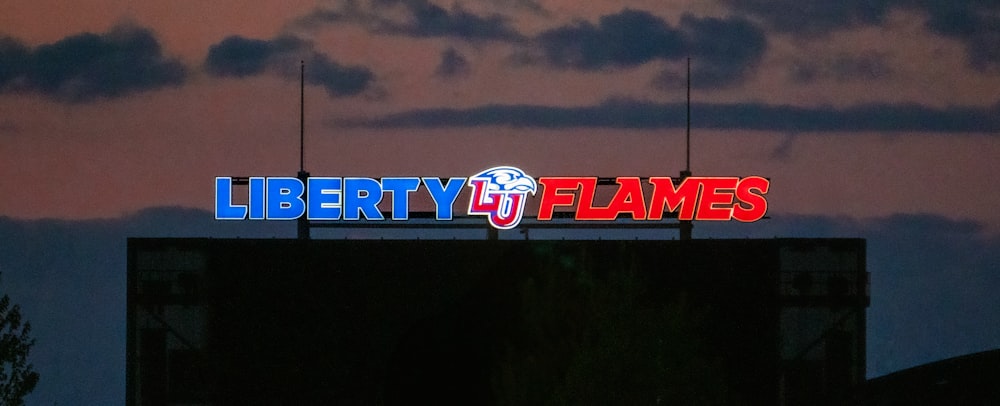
column 303, row 223
column 302, row 116
column 686, row 226
column 687, row 166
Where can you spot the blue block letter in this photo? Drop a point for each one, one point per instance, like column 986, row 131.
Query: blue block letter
column 400, row 188
column 257, row 200
column 362, row 196
column 325, row 199
column 284, row 198
column 224, row 208
column 444, row 196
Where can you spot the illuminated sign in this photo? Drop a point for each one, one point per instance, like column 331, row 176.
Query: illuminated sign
column 499, row 194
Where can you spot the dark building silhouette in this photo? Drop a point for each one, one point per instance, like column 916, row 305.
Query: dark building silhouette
column 968, row 380
column 700, row 322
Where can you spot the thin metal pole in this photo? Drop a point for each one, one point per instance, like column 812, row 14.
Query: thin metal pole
column 687, row 166
column 303, row 223
column 302, row 116
column 686, row 226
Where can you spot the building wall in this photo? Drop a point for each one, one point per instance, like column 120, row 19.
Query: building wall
column 491, row 322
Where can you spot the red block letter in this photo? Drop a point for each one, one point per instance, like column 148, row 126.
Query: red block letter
column 666, row 197
column 586, row 209
column 628, row 199
column 755, row 202
column 551, row 196
column 716, row 199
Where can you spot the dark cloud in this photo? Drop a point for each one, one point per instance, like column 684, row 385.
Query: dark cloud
column 414, row 18
column 339, row 80
column 238, row 56
column 628, row 38
column 739, row 116
column 88, row 66
column 431, row 20
column 529, row 5
column 15, row 61
column 452, row 64
column 813, row 17
column 349, row 12
column 842, row 67
column 724, row 50
column 975, row 23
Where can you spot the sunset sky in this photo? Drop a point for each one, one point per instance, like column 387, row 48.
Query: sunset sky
column 875, row 119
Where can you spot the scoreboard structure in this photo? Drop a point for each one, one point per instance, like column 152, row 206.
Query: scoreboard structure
column 255, row 321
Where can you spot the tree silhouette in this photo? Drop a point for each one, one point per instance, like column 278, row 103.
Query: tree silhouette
column 17, row 377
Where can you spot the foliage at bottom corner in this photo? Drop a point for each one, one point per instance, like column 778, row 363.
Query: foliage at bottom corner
column 17, row 376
